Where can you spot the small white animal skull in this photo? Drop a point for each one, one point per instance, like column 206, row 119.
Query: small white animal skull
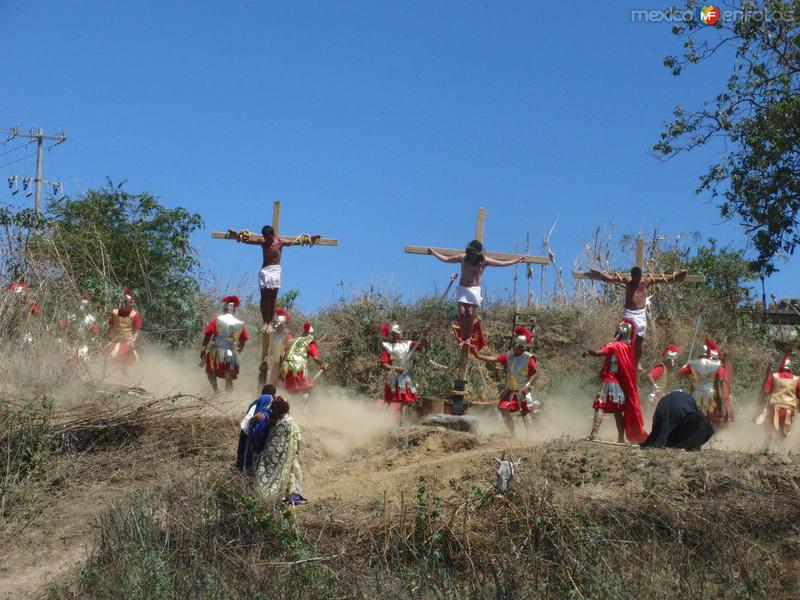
column 505, row 473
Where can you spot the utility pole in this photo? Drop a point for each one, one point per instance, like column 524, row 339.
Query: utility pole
column 38, row 134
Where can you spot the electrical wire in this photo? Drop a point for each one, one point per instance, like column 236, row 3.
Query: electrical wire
column 16, row 148
column 18, row 160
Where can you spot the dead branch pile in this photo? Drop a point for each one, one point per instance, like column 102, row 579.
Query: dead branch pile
column 91, row 424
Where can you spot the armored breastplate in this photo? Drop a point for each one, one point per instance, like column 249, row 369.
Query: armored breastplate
column 517, row 374
column 399, row 353
column 784, row 391
column 229, row 329
column 297, row 355
column 704, row 371
column 123, row 326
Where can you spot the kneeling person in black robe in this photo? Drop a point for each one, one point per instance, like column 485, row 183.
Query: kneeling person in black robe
column 678, row 423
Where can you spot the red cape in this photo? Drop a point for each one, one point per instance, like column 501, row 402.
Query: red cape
column 632, row 412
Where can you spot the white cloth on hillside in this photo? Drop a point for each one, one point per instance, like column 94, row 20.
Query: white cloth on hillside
column 269, row 277
column 639, row 318
column 469, row 295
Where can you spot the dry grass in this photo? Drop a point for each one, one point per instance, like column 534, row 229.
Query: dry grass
column 581, row 522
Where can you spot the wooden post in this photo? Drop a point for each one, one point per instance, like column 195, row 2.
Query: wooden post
column 480, row 224
column 276, row 216
column 640, row 252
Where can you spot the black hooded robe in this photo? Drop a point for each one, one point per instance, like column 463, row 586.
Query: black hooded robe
column 678, row 423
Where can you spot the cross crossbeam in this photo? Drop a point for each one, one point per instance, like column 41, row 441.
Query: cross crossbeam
column 479, row 229
column 640, row 264
column 233, row 234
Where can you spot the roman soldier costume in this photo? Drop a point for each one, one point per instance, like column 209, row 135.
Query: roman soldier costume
column 618, row 392
column 519, row 369
column 294, row 367
column 711, row 383
column 224, row 337
column 124, row 325
column 780, row 394
column 397, row 354
column 660, row 374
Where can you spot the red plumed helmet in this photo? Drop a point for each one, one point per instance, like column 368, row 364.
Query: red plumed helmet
column 307, row 328
column 672, row 348
column 384, row 329
column 523, row 333
column 282, row 313
column 231, row 300
column 710, row 345
column 129, row 294
column 786, row 363
column 18, row 287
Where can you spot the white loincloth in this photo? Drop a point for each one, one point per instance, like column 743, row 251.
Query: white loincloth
column 269, row 277
column 639, row 318
column 469, row 295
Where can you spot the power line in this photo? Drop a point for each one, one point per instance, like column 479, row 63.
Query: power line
column 39, row 136
column 19, row 159
column 14, row 149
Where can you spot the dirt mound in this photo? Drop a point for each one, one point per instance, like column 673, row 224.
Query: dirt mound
column 423, row 440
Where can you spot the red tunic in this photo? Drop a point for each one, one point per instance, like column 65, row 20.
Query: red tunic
column 514, row 400
column 295, row 383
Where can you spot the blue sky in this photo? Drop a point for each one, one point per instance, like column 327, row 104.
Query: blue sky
column 379, row 123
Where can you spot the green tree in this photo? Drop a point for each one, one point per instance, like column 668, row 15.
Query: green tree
column 727, row 272
column 756, row 116
column 108, row 239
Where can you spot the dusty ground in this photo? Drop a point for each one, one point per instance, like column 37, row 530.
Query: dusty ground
column 352, row 452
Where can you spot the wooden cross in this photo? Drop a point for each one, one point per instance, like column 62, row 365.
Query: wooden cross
column 233, row 234
column 479, row 228
column 640, row 264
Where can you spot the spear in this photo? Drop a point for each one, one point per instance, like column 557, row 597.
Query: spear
column 696, row 329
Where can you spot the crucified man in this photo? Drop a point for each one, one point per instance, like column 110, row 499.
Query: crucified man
column 468, row 292
column 637, row 289
column 269, row 277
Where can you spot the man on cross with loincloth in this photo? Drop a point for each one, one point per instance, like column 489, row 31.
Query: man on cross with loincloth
column 468, row 292
column 269, row 277
column 637, row 289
